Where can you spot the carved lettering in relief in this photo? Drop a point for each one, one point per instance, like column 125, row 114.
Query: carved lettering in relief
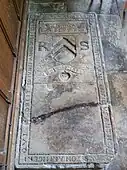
column 62, row 27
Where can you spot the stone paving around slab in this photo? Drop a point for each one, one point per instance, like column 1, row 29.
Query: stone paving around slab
column 73, row 110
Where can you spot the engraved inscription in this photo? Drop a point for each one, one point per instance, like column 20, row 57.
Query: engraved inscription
column 66, row 27
column 24, row 143
column 42, row 45
column 84, row 45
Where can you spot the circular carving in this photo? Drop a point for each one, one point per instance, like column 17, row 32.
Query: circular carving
column 64, row 76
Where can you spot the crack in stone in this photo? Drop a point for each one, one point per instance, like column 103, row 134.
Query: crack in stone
column 43, row 117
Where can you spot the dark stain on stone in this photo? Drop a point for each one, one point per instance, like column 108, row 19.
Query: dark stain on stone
column 43, row 117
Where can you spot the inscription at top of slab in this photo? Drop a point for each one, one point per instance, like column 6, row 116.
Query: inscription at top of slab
column 67, row 27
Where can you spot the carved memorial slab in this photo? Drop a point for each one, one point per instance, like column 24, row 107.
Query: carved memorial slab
column 65, row 112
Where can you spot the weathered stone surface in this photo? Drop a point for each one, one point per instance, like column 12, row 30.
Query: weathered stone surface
column 61, row 124
column 65, row 113
column 58, row 6
column 78, row 5
column 118, row 87
column 114, row 50
column 98, row 6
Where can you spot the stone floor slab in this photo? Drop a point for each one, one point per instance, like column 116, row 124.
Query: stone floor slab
column 65, row 113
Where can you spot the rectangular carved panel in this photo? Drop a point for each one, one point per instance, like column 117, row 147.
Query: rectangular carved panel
column 65, row 114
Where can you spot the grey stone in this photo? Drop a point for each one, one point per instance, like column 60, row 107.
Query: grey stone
column 78, row 5
column 114, row 50
column 98, row 6
column 73, row 114
column 118, row 85
column 65, row 113
column 49, row 7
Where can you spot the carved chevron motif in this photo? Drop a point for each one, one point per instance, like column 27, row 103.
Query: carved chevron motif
column 64, row 51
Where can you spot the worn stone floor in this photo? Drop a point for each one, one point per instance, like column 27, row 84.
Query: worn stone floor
column 73, row 109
